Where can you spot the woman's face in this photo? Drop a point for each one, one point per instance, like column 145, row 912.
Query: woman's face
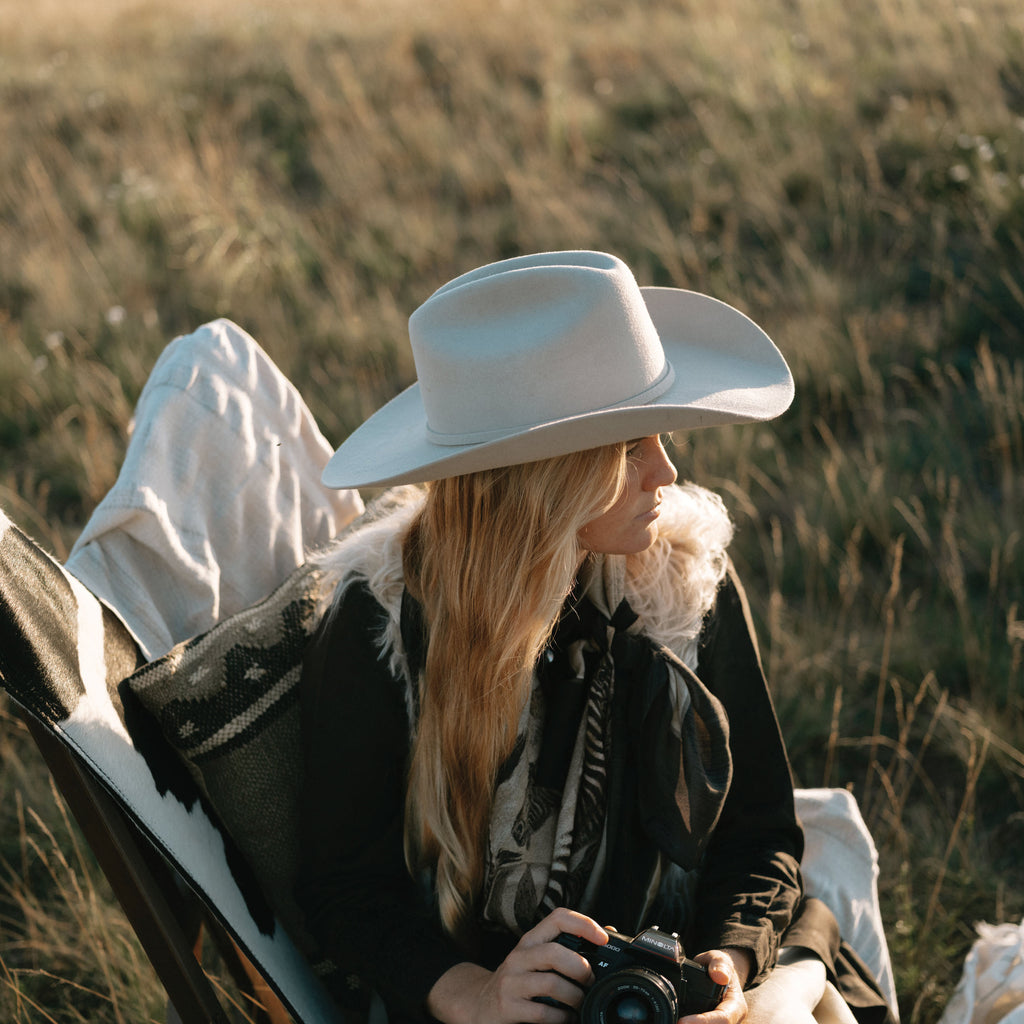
column 631, row 524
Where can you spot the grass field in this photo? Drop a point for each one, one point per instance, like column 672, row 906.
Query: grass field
column 851, row 175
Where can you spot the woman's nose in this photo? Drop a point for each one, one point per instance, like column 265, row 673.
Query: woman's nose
column 660, row 472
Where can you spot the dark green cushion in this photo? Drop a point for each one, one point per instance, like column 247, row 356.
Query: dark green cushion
column 228, row 702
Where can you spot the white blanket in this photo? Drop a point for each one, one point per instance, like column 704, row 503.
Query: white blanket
column 219, row 496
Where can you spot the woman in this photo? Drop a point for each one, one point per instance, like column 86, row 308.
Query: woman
column 537, row 705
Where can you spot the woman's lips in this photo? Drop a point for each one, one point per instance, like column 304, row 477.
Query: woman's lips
column 650, row 515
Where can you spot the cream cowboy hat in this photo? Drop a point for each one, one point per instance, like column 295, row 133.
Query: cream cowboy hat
column 553, row 353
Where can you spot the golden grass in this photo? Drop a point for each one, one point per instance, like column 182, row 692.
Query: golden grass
column 852, row 175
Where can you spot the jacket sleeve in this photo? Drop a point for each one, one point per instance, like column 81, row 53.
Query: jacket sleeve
column 361, row 904
column 749, row 885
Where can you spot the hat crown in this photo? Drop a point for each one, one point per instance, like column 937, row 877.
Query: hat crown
column 531, row 340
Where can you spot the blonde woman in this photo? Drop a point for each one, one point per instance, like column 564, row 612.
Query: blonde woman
column 536, row 707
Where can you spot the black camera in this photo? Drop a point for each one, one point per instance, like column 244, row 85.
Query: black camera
column 644, row 979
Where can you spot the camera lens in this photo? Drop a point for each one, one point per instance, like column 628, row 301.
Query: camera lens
column 627, row 1008
column 633, row 995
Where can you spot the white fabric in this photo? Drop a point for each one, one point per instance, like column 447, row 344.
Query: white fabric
column 840, row 867
column 991, row 988
column 791, row 993
column 219, row 496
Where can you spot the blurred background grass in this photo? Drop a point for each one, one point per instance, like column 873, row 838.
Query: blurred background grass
column 852, row 176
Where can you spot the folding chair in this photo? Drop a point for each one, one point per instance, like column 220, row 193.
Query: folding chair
column 62, row 655
column 166, row 925
column 163, row 561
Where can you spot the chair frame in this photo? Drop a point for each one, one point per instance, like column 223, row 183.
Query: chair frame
column 169, row 924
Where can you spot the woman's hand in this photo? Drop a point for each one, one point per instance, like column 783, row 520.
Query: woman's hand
column 730, row 968
column 538, row 967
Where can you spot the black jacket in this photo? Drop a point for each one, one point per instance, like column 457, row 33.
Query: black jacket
column 372, row 917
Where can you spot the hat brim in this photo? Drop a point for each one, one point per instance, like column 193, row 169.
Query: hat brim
column 727, row 370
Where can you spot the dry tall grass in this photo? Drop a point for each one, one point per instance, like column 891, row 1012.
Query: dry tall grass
column 852, row 175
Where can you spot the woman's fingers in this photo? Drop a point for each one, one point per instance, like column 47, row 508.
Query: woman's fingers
column 531, row 996
column 733, row 1007
column 541, row 981
column 568, row 921
column 540, row 950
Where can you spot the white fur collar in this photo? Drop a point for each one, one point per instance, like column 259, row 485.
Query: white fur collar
column 671, row 586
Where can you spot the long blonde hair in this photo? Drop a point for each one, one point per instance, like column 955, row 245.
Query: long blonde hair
column 491, row 557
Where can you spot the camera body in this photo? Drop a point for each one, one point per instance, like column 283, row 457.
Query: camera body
column 646, row 978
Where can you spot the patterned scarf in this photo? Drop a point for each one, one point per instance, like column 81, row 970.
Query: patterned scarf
column 621, row 761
